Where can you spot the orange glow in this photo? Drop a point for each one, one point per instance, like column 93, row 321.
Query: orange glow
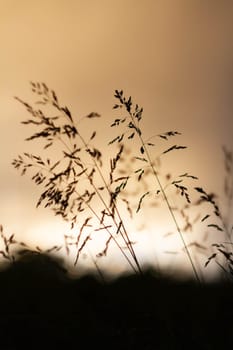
column 173, row 57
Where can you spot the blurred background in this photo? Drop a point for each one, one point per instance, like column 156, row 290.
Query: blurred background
column 174, row 57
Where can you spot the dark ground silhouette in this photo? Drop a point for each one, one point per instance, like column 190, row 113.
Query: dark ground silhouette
column 41, row 308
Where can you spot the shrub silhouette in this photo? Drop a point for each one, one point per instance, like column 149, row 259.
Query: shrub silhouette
column 42, row 307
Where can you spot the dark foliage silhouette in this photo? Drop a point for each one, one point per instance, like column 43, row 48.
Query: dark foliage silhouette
column 43, row 308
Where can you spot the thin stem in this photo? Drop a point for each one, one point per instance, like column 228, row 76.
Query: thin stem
column 167, row 202
column 125, row 235
column 98, row 218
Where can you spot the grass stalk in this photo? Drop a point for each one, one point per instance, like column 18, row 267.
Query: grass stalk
column 136, row 116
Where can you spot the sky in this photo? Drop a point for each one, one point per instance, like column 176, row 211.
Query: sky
column 174, row 57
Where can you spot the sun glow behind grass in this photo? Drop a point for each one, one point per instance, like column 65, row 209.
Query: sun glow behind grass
column 151, row 231
column 118, row 198
column 153, row 247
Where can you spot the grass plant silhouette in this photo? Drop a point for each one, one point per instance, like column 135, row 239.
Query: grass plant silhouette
column 222, row 252
column 87, row 193
column 43, row 307
column 62, row 179
column 132, row 123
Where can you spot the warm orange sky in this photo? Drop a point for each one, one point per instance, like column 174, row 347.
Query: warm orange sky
column 175, row 57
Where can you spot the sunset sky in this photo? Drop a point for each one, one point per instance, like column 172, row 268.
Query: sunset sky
column 174, row 57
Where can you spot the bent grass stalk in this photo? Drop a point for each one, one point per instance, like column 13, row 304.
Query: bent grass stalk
column 224, row 223
column 170, row 210
column 124, row 234
column 60, row 198
column 121, row 225
column 136, row 117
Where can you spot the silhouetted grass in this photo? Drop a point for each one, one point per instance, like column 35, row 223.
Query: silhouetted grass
column 43, row 307
column 87, row 189
column 222, row 252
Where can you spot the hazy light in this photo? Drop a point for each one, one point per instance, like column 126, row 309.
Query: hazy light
column 173, row 57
